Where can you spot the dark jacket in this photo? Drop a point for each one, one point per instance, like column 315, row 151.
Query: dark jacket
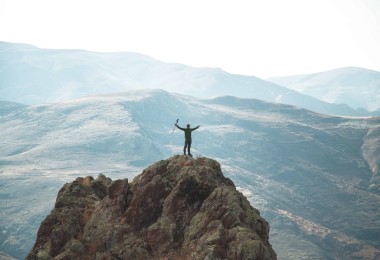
column 187, row 131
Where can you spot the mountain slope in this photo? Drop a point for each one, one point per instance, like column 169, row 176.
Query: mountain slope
column 177, row 208
column 7, row 107
column 356, row 87
column 313, row 177
column 31, row 75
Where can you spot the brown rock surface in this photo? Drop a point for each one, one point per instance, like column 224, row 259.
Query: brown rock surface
column 180, row 208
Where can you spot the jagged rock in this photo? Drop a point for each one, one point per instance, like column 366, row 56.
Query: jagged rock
column 180, row 208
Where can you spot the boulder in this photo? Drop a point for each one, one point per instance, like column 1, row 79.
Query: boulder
column 179, row 208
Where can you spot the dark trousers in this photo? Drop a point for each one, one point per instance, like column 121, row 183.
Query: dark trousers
column 188, row 145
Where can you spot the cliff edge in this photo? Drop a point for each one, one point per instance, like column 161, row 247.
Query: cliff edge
column 179, row 208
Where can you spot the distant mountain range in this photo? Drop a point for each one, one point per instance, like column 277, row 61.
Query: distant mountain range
column 357, row 87
column 30, row 75
column 314, row 177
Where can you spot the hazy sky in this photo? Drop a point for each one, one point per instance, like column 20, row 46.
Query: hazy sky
column 253, row 37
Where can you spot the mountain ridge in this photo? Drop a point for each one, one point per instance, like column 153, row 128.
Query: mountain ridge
column 33, row 76
column 357, row 87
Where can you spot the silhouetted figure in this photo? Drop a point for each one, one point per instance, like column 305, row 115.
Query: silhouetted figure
column 187, row 131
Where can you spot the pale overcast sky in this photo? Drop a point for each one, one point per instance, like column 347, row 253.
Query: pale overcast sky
column 252, row 37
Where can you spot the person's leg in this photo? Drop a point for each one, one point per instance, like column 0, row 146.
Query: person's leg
column 184, row 148
column 188, row 147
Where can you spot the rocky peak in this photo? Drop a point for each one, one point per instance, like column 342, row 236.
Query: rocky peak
column 179, row 208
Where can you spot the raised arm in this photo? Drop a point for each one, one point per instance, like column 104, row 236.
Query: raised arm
column 183, row 129
column 195, row 128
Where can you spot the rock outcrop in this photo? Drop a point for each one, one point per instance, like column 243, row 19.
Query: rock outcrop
column 179, row 208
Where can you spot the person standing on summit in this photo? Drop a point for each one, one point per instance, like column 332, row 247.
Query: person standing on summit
column 187, row 131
